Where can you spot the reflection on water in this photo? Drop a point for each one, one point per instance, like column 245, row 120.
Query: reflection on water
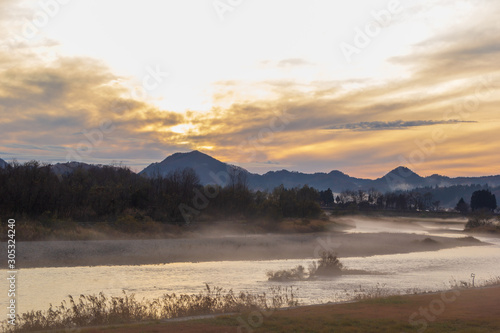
column 427, row 271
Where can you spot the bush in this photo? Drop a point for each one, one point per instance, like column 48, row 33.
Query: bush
column 295, row 274
column 479, row 218
column 328, row 264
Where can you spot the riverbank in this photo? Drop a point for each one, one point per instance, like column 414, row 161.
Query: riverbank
column 62, row 230
column 461, row 310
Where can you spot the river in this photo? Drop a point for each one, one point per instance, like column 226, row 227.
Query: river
column 393, row 273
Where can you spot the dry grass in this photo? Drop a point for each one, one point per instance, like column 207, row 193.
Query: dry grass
column 363, row 293
column 303, row 225
column 491, row 282
column 124, row 228
column 381, row 290
column 93, row 310
column 475, row 310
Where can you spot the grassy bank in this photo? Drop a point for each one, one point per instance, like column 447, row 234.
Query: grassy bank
column 140, row 227
column 130, row 228
column 461, row 311
column 91, row 310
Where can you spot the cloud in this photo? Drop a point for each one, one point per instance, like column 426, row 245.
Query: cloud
column 397, row 124
column 251, row 131
column 467, row 48
column 36, row 147
column 46, row 103
column 286, row 63
column 293, row 62
column 48, row 106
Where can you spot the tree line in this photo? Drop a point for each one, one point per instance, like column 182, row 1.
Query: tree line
column 375, row 200
column 418, row 199
column 107, row 193
column 115, row 194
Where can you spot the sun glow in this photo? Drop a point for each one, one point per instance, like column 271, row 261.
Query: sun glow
column 183, row 129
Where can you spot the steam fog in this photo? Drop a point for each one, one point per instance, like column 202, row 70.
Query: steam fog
column 359, row 237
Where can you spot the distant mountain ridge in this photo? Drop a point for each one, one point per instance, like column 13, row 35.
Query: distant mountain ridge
column 69, row 167
column 211, row 171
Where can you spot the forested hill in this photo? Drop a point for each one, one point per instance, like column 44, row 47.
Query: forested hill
column 213, row 171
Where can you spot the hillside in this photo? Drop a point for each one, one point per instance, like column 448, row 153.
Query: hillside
column 210, row 170
column 401, row 178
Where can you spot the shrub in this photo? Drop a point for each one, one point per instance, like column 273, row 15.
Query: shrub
column 479, row 218
column 295, row 274
column 328, row 264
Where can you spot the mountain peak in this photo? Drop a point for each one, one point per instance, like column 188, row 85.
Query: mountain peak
column 402, row 178
column 403, row 171
column 204, row 165
column 438, row 176
column 192, row 155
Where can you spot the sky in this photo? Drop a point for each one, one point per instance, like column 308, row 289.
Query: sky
column 359, row 86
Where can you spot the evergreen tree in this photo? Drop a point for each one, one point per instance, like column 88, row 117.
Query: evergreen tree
column 462, row 206
column 483, row 199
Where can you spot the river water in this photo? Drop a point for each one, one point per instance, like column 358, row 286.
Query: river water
column 397, row 273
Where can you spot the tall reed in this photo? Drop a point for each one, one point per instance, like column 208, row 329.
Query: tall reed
column 92, row 310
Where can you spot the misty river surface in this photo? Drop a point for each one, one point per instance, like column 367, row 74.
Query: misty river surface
column 425, row 271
